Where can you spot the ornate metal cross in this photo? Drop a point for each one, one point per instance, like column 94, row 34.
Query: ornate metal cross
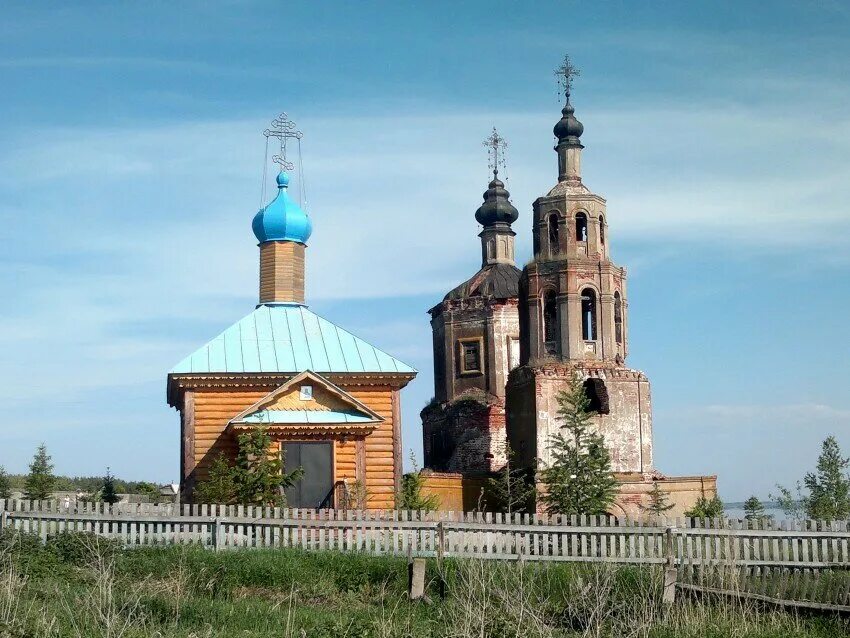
column 283, row 129
column 565, row 74
column 496, row 146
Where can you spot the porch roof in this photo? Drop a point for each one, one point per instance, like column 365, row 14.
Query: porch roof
column 305, row 416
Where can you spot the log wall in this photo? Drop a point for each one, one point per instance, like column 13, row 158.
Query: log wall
column 210, row 410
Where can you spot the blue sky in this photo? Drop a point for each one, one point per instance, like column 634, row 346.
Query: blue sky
column 131, row 164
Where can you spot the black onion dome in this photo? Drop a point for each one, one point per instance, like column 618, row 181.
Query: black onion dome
column 496, row 208
column 497, row 281
column 568, row 129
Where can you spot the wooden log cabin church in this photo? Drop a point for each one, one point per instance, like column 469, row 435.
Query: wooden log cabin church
column 329, row 400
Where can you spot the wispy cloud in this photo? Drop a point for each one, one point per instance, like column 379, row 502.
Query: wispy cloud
column 741, row 416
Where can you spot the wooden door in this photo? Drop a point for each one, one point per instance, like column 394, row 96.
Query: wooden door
column 315, row 489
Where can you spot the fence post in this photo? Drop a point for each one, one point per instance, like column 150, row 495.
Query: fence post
column 441, row 541
column 216, row 534
column 4, row 515
column 670, row 572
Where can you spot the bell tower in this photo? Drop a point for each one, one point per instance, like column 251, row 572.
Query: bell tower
column 573, row 316
column 575, row 295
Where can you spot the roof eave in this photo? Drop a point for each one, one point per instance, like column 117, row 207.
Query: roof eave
column 180, row 381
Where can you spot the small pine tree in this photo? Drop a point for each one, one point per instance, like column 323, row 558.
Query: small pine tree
column 40, row 481
column 5, row 484
column 828, row 488
column 579, row 479
column 512, row 490
column 659, row 502
column 107, row 492
column 754, row 510
column 258, row 475
column 410, row 495
column 219, row 488
column 706, row 508
column 829, row 485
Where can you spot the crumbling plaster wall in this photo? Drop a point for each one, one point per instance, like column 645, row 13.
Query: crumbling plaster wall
column 627, row 428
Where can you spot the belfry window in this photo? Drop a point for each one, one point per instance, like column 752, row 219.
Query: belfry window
column 552, row 224
column 588, row 314
column 601, row 230
column 581, row 227
column 618, row 317
column 550, row 322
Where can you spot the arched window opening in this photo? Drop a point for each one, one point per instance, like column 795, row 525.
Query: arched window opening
column 618, row 317
column 597, row 396
column 550, row 322
column 588, row 314
column 554, row 247
column 601, row 230
column 581, row 227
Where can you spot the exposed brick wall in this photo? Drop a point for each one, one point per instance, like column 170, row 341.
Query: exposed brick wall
column 465, row 436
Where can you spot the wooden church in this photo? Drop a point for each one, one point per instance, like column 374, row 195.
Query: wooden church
column 329, row 399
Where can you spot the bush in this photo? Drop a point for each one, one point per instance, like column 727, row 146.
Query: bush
column 81, row 548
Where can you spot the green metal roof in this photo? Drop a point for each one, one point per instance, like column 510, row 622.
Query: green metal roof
column 288, row 338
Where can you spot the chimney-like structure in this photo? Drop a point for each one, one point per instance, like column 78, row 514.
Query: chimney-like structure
column 282, row 229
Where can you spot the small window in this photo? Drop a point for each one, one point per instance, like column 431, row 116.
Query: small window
column 588, row 314
column 581, row 227
column 618, row 317
column 554, row 246
column 601, row 230
column 470, row 356
column 306, row 393
column 550, row 322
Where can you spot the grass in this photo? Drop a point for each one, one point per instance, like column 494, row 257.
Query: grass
column 78, row 585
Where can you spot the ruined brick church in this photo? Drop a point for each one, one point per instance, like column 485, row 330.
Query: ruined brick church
column 507, row 341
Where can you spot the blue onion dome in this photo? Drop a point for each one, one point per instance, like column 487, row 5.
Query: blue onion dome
column 568, row 129
column 496, row 209
column 282, row 219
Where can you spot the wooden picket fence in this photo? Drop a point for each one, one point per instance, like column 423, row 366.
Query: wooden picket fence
column 794, row 562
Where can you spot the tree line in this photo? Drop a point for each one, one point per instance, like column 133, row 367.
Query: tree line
column 40, row 483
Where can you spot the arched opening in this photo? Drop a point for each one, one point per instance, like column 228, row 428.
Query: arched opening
column 552, row 224
column 550, row 322
column 618, row 317
column 601, row 230
column 581, row 227
column 588, row 314
column 597, row 396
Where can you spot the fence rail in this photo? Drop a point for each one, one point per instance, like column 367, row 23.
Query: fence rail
column 789, row 563
column 686, row 542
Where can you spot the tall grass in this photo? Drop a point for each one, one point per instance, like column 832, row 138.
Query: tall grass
column 80, row 586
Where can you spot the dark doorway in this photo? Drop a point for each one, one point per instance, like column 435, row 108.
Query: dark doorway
column 315, row 489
